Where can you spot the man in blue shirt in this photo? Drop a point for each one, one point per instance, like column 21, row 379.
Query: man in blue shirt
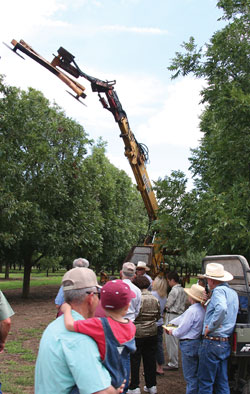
column 219, row 322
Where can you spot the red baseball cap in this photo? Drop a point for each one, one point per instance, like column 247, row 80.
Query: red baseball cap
column 115, row 294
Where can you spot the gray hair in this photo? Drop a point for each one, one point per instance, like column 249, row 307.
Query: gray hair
column 128, row 275
column 80, row 263
column 77, row 296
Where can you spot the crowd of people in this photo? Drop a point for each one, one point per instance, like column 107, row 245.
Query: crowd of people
column 102, row 331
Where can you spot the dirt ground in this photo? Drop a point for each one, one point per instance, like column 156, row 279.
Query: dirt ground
column 39, row 310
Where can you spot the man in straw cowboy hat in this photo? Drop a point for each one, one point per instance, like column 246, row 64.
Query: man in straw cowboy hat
column 189, row 333
column 219, row 322
column 141, row 269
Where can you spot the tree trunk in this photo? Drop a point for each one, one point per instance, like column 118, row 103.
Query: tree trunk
column 26, row 277
column 1, row 267
column 7, row 270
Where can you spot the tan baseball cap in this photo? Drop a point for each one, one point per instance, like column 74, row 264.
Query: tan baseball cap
column 128, row 268
column 80, row 277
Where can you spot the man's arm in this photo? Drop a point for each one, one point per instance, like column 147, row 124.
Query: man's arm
column 171, row 299
column 219, row 304
column 138, row 306
column 4, row 330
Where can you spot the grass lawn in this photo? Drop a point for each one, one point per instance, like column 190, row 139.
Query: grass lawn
column 37, row 279
column 40, row 279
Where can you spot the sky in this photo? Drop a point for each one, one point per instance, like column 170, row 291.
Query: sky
column 130, row 41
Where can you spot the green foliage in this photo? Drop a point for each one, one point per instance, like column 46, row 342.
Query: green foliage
column 174, row 205
column 123, row 217
column 215, row 216
column 187, row 264
column 221, row 221
column 41, row 150
column 184, row 64
column 57, row 203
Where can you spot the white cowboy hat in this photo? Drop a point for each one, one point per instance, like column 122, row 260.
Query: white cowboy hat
column 217, row 272
column 196, row 292
column 141, row 264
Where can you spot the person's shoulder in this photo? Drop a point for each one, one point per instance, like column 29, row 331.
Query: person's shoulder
column 154, row 296
column 198, row 308
column 2, row 297
column 149, row 295
column 223, row 288
column 133, row 287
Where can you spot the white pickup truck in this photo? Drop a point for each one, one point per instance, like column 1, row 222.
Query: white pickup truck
column 239, row 361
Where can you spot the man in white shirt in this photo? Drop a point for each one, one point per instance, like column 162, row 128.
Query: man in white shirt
column 128, row 274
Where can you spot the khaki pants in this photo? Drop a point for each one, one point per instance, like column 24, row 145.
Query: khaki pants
column 172, row 343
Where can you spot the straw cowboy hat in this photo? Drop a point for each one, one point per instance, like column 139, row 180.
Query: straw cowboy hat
column 141, row 264
column 196, row 292
column 217, row 272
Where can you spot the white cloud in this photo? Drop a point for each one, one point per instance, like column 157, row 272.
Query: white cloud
column 137, row 30
column 177, row 119
column 26, row 15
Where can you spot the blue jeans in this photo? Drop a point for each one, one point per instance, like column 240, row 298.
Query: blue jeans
column 126, row 363
column 212, row 372
column 190, row 361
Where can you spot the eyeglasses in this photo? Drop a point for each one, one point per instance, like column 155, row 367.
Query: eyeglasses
column 94, row 292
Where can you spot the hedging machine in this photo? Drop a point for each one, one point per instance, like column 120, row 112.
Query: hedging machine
column 136, row 153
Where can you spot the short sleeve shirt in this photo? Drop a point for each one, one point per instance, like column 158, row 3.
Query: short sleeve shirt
column 123, row 332
column 5, row 309
column 66, row 359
